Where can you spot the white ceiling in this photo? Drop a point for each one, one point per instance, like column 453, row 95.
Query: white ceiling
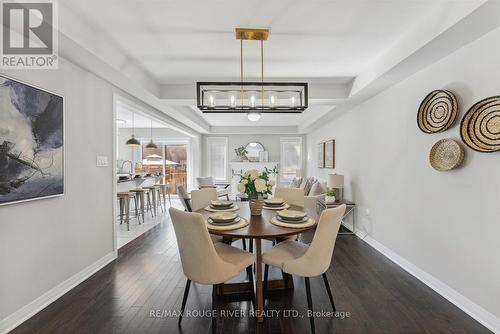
column 187, row 40
column 140, row 120
column 346, row 44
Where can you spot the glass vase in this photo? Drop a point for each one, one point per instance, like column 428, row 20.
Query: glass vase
column 256, row 204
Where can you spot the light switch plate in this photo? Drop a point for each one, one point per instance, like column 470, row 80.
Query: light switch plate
column 102, row 161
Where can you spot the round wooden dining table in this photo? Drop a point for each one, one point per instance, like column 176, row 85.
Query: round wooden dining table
column 260, row 227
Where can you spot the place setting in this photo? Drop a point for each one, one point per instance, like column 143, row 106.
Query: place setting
column 221, row 206
column 275, row 203
column 223, row 221
column 292, row 219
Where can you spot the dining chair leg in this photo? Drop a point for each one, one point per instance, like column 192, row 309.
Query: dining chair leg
column 184, row 299
column 266, row 276
column 325, row 279
column 309, row 304
column 214, row 309
column 250, row 245
column 250, row 279
column 244, row 244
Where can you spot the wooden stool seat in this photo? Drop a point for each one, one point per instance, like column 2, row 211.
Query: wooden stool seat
column 125, row 194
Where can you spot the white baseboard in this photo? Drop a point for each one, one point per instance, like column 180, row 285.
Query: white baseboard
column 24, row 313
column 484, row 317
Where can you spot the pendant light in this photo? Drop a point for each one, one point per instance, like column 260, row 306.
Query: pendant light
column 151, row 144
column 133, row 142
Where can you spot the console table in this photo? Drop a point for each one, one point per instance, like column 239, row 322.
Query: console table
column 351, row 210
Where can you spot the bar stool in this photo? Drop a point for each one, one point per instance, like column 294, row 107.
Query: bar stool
column 143, row 195
column 158, row 197
column 155, row 196
column 124, row 198
column 164, row 190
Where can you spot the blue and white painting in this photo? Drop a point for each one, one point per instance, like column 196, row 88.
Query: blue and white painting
column 31, row 142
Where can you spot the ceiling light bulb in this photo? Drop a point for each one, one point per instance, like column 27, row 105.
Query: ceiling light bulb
column 233, row 101
column 211, row 100
column 253, row 116
column 272, row 100
column 293, row 101
column 252, row 101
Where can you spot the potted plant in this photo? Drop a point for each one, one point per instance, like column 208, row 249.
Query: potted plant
column 330, row 195
column 241, row 153
column 256, row 185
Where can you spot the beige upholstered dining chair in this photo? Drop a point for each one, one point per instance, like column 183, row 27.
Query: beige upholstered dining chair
column 208, row 182
column 203, row 261
column 293, row 196
column 202, row 198
column 184, row 197
column 299, row 259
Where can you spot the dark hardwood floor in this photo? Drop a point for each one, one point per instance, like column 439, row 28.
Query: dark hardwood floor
column 374, row 294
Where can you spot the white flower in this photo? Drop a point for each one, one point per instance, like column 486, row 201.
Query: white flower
column 254, row 174
column 241, row 187
column 244, row 181
column 271, row 183
column 260, row 185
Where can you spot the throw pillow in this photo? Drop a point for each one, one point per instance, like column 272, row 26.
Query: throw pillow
column 317, row 189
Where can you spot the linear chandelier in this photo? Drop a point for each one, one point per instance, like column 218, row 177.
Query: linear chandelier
column 252, row 98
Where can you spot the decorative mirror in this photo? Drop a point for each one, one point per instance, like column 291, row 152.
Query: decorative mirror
column 253, row 149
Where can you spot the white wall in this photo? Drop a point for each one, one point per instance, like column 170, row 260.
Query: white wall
column 45, row 243
column 445, row 223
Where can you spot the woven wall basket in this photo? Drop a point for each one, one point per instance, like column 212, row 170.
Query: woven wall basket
column 480, row 127
column 437, row 112
column 446, row 154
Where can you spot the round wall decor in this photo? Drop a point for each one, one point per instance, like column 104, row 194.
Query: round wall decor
column 446, row 154
column 437, row 112
column 480, row 127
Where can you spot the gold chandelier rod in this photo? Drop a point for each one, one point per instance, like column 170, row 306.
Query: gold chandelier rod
column 241, row 71
column 262, row 72
column 252, row 34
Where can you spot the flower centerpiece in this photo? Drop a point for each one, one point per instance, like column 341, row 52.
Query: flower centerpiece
column 256, row 185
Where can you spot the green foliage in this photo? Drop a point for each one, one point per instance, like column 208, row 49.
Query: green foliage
column 249, row 178
column 241, row 152
column 330, row 192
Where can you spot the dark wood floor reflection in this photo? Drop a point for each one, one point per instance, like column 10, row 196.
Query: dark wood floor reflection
column 375, row 294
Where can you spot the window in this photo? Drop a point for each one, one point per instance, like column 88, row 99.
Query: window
column 290, row 158
column 217, row 158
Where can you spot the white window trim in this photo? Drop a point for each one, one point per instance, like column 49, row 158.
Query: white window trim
column 301, row 156
column 226, row 157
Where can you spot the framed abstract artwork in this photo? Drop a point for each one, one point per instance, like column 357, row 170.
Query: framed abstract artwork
column 31, row 142
column 321, row 155
column 330, row 154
